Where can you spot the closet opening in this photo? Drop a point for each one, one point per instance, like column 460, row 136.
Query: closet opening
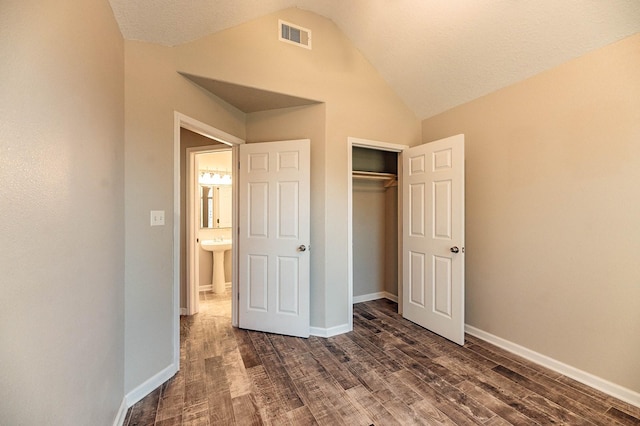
column 375, row 265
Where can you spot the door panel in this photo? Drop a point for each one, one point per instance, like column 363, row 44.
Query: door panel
column 288, row 202
column 258, row 206
column 442, row 286
column 274, row 225
column 416, row 209
column 417, row 278
column 257, row 282
column 287, row 286
column 433, row 213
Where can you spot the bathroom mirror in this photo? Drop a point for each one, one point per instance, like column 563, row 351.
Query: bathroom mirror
column 215, row 206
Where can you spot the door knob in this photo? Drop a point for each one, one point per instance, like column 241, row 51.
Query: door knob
column 454, row 249
column 302, row 248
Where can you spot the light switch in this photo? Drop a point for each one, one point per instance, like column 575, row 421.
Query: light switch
column 157, row 217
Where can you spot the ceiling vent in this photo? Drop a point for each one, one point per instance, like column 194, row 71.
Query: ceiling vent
column 290, row 33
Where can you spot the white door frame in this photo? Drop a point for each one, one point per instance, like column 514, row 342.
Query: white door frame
column 183, row 121
column 380, row 146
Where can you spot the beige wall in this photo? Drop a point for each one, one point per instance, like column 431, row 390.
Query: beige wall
column 369, row 232
column 553, row 210
column 552, row 171
column 153, row 92
column 375, row 238
column 61, row 204
column 358, row 103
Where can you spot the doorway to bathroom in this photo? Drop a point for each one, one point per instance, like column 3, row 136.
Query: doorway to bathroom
column 209, row 217
column 207, row 205
column 212, row 221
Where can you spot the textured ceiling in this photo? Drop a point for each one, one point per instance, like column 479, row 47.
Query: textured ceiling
column 435, row 54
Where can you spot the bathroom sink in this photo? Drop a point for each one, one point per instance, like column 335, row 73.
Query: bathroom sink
column 217, row 248
column 213, row 245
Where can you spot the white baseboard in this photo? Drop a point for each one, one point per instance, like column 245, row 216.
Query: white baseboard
column 183, row 311
column 329, row 332
column 122, row 414
column 390, row 296
column 375, row 296
column 344, row 328
column 589, row 379
column 148, row 386
column 208, row 287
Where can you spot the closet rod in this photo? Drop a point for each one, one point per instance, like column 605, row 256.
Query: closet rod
column 372, row 175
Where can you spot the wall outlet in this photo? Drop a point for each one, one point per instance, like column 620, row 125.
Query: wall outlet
column 157, row 217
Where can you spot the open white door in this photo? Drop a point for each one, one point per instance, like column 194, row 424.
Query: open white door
column 433, row 236
column 274, row 237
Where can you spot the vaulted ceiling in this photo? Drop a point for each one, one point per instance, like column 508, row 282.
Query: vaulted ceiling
column 435, row 54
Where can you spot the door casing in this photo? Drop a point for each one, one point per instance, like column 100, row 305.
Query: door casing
column 381, row 146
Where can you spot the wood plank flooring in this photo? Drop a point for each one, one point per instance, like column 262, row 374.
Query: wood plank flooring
column 388, row 371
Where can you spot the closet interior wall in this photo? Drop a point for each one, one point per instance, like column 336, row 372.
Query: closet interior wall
column 375, row 224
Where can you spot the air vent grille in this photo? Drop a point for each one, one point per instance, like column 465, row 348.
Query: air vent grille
column 294, row 34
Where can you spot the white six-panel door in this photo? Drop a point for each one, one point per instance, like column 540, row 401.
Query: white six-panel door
column 274, row 234
column 433, row 236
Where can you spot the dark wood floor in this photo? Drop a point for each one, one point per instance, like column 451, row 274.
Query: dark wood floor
column 387, row 371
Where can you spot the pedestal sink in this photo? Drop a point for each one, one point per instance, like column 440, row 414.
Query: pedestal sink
column 217, row 248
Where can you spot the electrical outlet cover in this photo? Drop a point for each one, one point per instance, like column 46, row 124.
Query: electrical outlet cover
column 157, row 217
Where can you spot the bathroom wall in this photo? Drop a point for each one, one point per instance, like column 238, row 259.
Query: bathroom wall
column 62, row 213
